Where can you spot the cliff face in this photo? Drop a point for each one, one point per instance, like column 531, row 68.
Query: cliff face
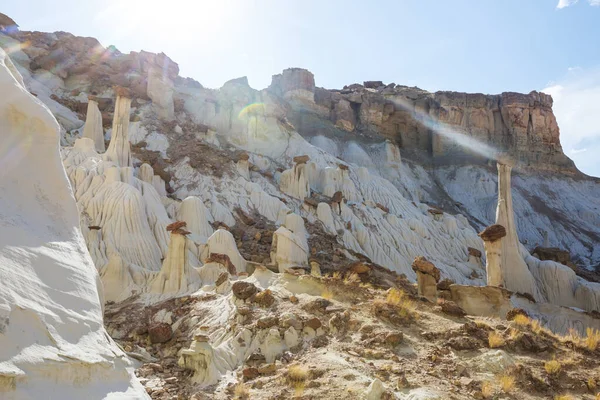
column 414, row 119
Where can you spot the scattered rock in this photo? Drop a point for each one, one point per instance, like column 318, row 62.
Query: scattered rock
column 267, row 322
column 267, row 369
column 474, row 252
column 451, row 308
column 250, row 373
column 243, row 290
column 314, row 323
column 160, row 332
column 393, row 338
column 317, row 305
column 265, row 298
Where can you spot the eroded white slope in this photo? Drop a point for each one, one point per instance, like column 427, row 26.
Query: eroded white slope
column 52, row 341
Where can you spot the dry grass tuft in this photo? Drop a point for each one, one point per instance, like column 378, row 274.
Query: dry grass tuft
column 521, row 320
column 404, row 307
column 591, row 384
column 564, row 397
column 482, row 324
column 327, row 294
column 495, row 340
column 592, row 339
column 552, row 367
column 536, row 327
column 352, row 279
column 487, row 389
column 296, row 377
column 241, row 392
column 507, row 383
column 514, row 334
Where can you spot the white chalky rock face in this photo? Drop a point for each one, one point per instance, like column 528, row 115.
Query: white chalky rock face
column 93, row 126
column 198, row 218
column 118, row 150
column 52, row 340
column 294, row 182
column 223, row 242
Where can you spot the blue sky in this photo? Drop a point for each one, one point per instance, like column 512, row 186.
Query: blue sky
column 472, row 46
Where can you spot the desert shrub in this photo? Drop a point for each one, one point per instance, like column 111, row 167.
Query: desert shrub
column 487, row 389
column 552, row 367
column 495, row 340
column 241, row 392
column 507, row 383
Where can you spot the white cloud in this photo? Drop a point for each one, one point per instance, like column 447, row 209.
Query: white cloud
column 576, row 98
column 567, row 3
column 577, row 151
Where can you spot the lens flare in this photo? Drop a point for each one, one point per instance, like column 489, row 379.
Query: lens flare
column 252, row 110
column 447, row 131
column 17, row 47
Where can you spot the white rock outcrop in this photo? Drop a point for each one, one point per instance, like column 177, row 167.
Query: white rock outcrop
column 52, row 340
column 118, row 149
column 93, row 125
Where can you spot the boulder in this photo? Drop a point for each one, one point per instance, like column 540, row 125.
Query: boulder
column 492, row 233
column 160, row 332
column 243, row 290
column 421, row 264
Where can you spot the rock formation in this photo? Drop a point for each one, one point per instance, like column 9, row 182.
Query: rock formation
column 492, row 239
column 118, row 150
column 427, row 278
column 93, row 125
column 515, row 273
column 51, row 327
column 177, row 275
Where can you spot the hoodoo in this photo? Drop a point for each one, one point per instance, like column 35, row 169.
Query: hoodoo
column 118, row 150
column 93, row 124
column 515, row 273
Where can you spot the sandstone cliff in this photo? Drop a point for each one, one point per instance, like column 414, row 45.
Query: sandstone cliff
column 414, row 119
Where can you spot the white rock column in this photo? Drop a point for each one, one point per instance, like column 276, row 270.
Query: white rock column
column 93, row 125
column 516, row 274
column 118, row 149
column 176, row 275
column 492, row 241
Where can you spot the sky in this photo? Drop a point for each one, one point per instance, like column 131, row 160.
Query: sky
column 468, row 46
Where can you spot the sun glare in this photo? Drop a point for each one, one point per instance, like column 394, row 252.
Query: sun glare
column 173, row 21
